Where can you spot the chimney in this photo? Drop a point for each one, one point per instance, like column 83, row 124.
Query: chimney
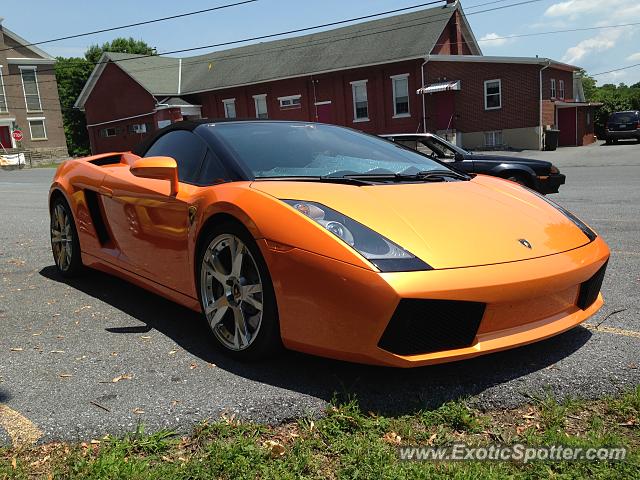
column 452, row 2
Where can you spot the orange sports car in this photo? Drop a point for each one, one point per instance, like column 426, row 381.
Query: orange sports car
column 329, row 241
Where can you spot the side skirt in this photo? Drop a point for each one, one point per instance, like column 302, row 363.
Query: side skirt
column 98, row 264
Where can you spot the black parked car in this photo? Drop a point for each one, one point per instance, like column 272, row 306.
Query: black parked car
column 539, row 175
column 623, row 125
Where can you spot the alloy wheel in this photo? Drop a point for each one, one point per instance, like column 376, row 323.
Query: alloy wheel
column 231, row 292
column 61, row 237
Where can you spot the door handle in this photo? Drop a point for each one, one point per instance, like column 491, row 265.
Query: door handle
column 107, row 192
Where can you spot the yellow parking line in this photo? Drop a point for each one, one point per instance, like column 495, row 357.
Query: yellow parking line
column 613, row 330
column 21, row 430
column 624, row 252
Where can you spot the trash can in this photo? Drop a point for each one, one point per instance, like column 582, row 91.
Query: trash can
column 551, row 139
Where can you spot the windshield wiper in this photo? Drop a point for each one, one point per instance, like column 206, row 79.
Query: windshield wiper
column 442, row 173
column 321, row 179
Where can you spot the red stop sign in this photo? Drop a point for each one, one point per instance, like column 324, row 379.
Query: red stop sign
column 17, row 135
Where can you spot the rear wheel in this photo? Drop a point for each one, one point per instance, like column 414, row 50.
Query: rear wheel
column 236, row 294
column 64, row 239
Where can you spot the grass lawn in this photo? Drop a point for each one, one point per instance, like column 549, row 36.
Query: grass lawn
column 350, row 443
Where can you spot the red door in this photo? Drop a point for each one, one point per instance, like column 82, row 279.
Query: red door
column 324, row 112
column 567, row 127
column 445, row 108
column 5, row 137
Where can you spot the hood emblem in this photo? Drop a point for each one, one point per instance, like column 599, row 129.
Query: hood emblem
column 525, row 243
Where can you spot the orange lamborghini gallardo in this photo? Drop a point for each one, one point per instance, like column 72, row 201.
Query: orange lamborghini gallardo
column 329, row 241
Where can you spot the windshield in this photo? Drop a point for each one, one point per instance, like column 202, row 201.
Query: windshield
column 274, row 149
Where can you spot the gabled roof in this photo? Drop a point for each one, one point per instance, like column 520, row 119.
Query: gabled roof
column 26, row 44
column 391, row 39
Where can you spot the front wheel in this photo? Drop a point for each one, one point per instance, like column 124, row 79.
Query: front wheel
column 236, row 294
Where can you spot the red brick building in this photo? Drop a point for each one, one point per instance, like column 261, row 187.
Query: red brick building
column 413, row 72
column 29, row 98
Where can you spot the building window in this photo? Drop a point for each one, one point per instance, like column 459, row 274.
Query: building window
column 492, row 94
column 400, row 85
column 588, row 118
column 3, row 97
column 30, row 88
column 139, row 128
column 37, row 129
column 229, row 107
column 561, row 82
column 553, row 88
column 261, row 105
column 360, row 102
column 493, row 139
column 292, row 101
column 111, row 132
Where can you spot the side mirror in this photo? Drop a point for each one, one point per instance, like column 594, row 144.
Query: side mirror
column 458, row 157
column 160, row 168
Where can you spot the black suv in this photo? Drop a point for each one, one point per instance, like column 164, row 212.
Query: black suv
column 623, row 125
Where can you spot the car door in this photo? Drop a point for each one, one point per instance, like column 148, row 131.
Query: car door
column 149, row 225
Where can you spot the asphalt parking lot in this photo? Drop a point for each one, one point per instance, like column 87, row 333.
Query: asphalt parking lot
column 96, row 355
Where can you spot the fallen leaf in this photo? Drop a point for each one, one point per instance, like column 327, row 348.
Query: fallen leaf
column 59, row 337
column 138, row 411
column 312, row 426
column 114, row 354
column 192, row 366
column 65, row 375
column 16, row 349
column 124, row 376
column 392, row 438
column 432, row 438
column 276, row 449
column 166, row 459
column 211, row 365
column 173, row 352
column 37, row 334
column 145, row 337
column 14, row 463
column 56, row 351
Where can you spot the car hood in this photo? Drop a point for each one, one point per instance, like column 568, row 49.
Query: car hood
column 448, row 224
column 506, row 158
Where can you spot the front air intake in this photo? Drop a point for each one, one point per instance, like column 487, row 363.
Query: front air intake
column 590, row 289
column 424, row 326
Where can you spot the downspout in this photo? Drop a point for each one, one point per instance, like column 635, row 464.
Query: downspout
column 179, row 76
column 541, row 128
column 424, row 105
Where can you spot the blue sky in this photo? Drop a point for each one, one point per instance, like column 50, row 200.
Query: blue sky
column 595, row 50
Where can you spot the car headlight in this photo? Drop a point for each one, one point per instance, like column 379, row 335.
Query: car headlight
column 380, row 251
column 591, row 235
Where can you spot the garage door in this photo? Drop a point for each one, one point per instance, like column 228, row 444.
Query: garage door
column 567, row 126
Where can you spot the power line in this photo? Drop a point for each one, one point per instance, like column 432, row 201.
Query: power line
column 433, row 18
column 616, row 69
column 137, row 24
column 507, row 37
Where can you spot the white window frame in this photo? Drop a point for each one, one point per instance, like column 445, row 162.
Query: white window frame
column 354, row 85
column 288, row 101
column 4, row 93
column 553, row 88
column 44, row 127
column 561, row 89
column 256, row 98
column 229, row 101
column 24, row 92
column 493, row 134
column 394, row 78
column 487, row 82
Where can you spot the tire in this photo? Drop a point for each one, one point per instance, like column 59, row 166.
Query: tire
column 608, row 141
column 65, row 244
column 245, row 322
column 517, row 178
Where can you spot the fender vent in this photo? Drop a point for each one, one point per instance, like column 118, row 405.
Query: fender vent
column 590, row 289
column 93, row 204
column 424, row 326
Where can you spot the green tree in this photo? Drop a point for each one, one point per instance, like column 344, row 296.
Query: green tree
column 71, row 76
column 588, row 85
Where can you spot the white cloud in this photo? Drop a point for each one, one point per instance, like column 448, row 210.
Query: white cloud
column 601, row 42
column 584, row 13
column 493, row 39
column 634, row 57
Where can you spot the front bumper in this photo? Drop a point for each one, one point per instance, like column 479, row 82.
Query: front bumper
column 333, row 309
column 551, row 183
